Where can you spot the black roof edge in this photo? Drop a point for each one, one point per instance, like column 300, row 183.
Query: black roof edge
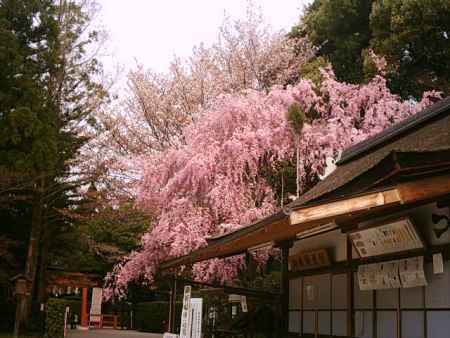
column 394, row 131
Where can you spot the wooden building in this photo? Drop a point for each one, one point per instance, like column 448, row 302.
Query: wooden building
column 366, row 252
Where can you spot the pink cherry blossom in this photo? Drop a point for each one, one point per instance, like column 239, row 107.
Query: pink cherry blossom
column 213, row 184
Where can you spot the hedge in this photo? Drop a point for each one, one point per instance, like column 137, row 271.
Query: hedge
column 154, row 316
column 54, row 322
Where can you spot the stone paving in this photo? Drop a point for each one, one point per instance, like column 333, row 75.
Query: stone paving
column 109, row 333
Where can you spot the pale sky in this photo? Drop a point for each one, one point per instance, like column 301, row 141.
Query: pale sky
column 152, row 31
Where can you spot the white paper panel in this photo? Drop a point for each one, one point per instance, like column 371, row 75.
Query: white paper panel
column 438, row 324
column 387, row 324
column 295, row 294
column 412, row 324
column 294, row 321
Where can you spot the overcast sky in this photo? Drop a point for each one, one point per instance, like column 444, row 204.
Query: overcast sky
column 152, row 31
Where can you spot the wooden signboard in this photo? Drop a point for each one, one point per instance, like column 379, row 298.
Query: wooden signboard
column 186, row 315
column 309, row 260
column 196, row 306
column 395, row 236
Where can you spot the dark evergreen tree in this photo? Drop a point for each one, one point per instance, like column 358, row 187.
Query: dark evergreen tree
column 49, row 89
column 413, row 36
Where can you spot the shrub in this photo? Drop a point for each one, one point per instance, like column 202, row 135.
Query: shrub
column 54, row 322
column 154, row 316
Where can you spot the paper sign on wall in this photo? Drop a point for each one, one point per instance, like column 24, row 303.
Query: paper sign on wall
column 370, row 277
column 412, row 273
column 406, row 273
column 394, row 237
column 438, row 263
column 390, row 273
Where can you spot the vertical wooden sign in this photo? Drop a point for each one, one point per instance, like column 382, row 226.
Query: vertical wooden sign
column 185, row 327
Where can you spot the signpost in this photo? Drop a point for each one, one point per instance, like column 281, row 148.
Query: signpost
column 244, row 304
column 196, row 305
column 191, row 316
column 185, row 327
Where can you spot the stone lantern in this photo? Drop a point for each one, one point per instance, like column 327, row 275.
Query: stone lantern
column 22, row 285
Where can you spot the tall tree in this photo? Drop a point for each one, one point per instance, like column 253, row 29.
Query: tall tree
column 49, row 89
column 413, row 36
column 247, row 54
column 218, row 180
column 28, row 134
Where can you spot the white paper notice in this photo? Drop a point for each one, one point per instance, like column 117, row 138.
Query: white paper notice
column 438, row 263
column 390, row 273
column 412, row 273
column 370, row 277
column 394, row 237
column 196, row 305
column 96, row 304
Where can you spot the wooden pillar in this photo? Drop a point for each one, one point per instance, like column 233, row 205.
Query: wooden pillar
column 350, row 292
column 84, row 308
column 172, row 307
column 285, row 246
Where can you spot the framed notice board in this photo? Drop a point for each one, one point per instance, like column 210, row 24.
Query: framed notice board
column 396, row 236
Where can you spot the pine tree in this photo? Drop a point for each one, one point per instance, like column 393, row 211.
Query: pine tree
column 48, row 91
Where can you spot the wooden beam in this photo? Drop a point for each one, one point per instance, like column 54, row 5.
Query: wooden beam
column 344, row 206
column 414, row 191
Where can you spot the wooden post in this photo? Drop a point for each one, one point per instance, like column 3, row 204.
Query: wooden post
column 285, row 246
column 169, row 328
column 350, row 292
column 84, row 308
column 172, row 307
column 20, row 310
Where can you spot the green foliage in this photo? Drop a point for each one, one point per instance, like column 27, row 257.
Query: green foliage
column 311, row 70
column 49, row 88
column 296, row 117
column 119, row 226
column 413, row 36
column 341, row 29
column 153, row 316
column 54, row 322
column 27, row 120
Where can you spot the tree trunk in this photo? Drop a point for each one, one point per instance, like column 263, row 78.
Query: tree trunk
column 33, row 255
column 43, row 260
